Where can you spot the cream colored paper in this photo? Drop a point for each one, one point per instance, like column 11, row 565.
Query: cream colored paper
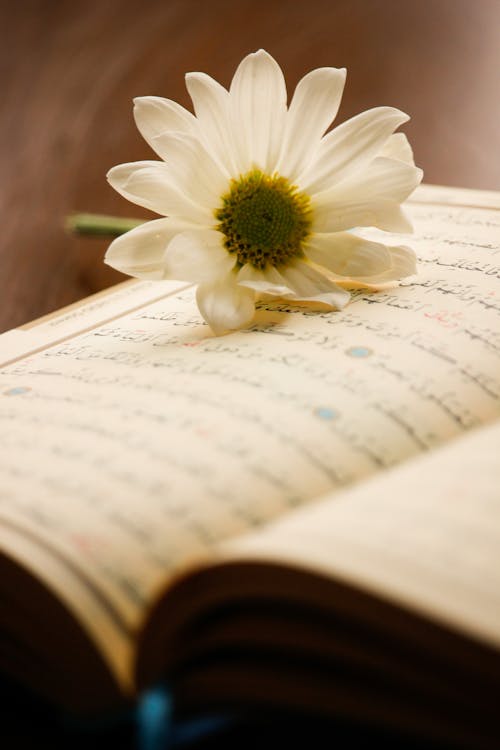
column 144, row 442
column 426, row 535
column 81, row 316
column 81, row 598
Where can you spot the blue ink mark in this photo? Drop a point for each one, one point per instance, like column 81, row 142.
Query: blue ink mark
column 358, row 352
column 154, row 718
column 324, row 412
column 19, row 390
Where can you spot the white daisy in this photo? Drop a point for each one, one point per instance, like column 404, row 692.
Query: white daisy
column 258, row 199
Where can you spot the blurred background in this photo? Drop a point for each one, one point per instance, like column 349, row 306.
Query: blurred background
column 70, row 68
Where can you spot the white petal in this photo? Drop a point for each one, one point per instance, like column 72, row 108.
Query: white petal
column 336, row 217
column 197, row 256
column 258, row 103
column 225, row 305
column 383, row 178
column 154, row 115
column 310, row 285
column 349, row 147
column 212, row 108
column 403, row 264
column 369, row 198
column 268, row 281
column 348, row 255
column 313, row 108
column 149, row 184
column 140, row 252
column 398, row 147
column 193, row 170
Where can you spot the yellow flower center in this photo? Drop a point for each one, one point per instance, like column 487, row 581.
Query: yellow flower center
column 265, row 220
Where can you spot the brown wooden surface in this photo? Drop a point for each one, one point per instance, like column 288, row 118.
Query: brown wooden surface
column 69, row 70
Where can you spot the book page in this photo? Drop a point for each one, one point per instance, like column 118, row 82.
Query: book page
column 82, row 316
column 86, row 601
column 145, row 441
column 425, row 535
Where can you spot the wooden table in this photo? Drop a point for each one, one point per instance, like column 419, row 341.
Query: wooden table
column 71, row 67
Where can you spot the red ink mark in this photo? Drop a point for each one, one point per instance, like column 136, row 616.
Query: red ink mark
column 445, row 318
column 84, row 542
column 203, row 433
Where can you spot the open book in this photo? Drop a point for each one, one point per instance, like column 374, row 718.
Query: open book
column 302, row 514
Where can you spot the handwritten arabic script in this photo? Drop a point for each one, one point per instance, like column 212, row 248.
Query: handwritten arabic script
column 146, row 440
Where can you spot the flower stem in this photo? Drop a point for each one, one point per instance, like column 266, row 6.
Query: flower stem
column 100, row 225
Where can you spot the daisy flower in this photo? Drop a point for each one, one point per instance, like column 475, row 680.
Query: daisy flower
column 257, row 199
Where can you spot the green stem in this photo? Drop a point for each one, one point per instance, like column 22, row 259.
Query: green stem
column 100, row 225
